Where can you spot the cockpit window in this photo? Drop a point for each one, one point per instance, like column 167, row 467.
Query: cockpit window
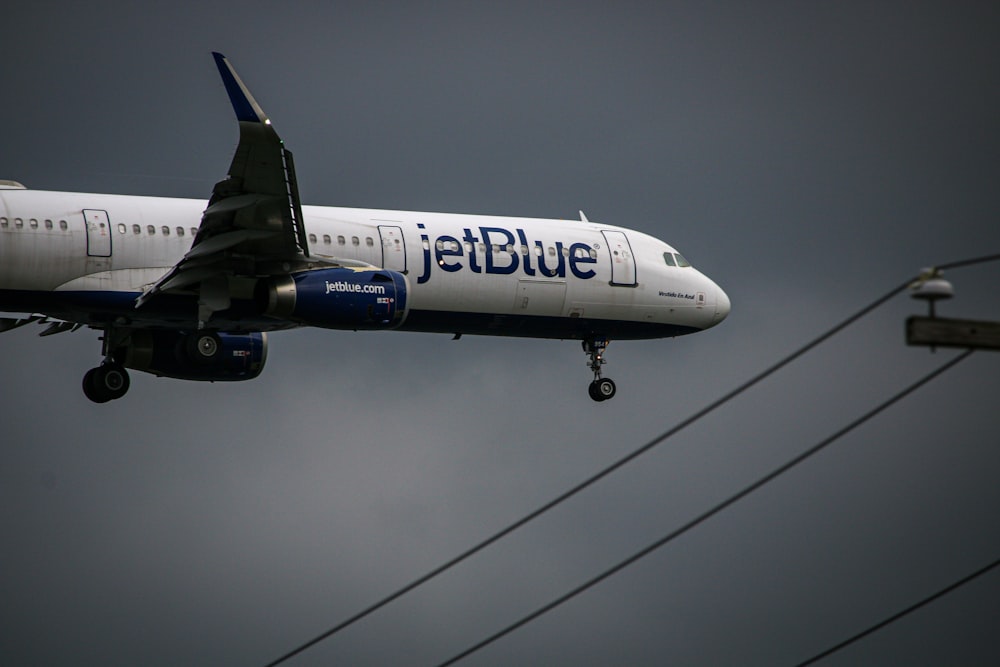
column 681, row 261
column 668, row 257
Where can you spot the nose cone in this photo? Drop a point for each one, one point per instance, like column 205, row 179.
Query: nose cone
column 721, row 305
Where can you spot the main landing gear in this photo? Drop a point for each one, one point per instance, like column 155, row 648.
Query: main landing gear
column 601, row 389
column 109, row 381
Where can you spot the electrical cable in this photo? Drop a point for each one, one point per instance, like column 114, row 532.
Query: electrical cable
column 709, row 513
column 969, row 262
column 895, row 617
column 468, row 553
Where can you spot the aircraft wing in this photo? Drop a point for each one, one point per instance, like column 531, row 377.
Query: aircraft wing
column 253, row 223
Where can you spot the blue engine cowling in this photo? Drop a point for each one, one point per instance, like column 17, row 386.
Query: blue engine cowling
column 337, row 298
column 198, row 355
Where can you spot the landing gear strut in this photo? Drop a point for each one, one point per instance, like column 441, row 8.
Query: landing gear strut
column 109, row 381
column 601, row 389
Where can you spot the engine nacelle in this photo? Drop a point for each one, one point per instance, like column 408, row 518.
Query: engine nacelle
column 337, row 298
column 198, row 355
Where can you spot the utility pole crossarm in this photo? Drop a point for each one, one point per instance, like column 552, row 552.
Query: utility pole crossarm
column 942, row 332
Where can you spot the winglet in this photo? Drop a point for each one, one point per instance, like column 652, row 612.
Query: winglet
column 583, row 218
column 244, row 104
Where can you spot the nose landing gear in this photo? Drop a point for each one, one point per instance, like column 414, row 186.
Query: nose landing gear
column 601, row 389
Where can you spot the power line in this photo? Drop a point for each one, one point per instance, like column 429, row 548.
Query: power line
column 710, row 513
column 969, row 262
column 895, row 617
column 617, row 464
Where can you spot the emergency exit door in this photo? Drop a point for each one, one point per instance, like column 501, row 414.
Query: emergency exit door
column 622, row 260
column 98, row 233
column 393, row 248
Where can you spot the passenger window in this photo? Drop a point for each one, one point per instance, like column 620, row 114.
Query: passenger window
column 136, row 229
column 370, row 242
column 194, row 231
column 681, row 261
column 165, row 230
column 355, row 241
column 312, row 238
column 326, row 239
column 121, row 228
column 668, row 257
column 151, row 230
column 18, row 223
column 180, row 231
column 4, row 223
column 63, row 225
column 48, row 224
column 34, row 223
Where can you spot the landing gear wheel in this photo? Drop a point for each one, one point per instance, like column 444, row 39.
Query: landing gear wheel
column 90, row 389
column 107, row 382
column 592, row 390
column 602, row 389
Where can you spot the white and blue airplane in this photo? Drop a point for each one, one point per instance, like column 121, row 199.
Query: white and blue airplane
column 184, row 289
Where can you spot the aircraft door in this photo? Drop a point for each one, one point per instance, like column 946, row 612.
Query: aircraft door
column 393, row 248
column 622, row 260
column 98, row 233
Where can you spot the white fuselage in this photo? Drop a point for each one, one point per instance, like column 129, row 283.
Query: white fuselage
column 493, row 272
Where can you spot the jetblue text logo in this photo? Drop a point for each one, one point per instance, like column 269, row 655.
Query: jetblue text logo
column 503, row 253
column 342, row 286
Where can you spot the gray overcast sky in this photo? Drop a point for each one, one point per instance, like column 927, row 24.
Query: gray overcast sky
column 806, row 156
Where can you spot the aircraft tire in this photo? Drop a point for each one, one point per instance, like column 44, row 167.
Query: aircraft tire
column 602, row 389
column 592, row 390
column 105, row 383
column 90, row 389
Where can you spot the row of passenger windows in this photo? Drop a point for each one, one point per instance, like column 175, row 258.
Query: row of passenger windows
column 18, row 223
column 34, row 223
column 342, row 240
column 453, row 245
column 151, row 230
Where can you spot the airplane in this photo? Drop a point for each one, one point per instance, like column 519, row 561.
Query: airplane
column 185, row 289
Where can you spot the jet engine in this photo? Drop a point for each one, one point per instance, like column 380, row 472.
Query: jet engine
column 337, row 298
column 197, row 355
